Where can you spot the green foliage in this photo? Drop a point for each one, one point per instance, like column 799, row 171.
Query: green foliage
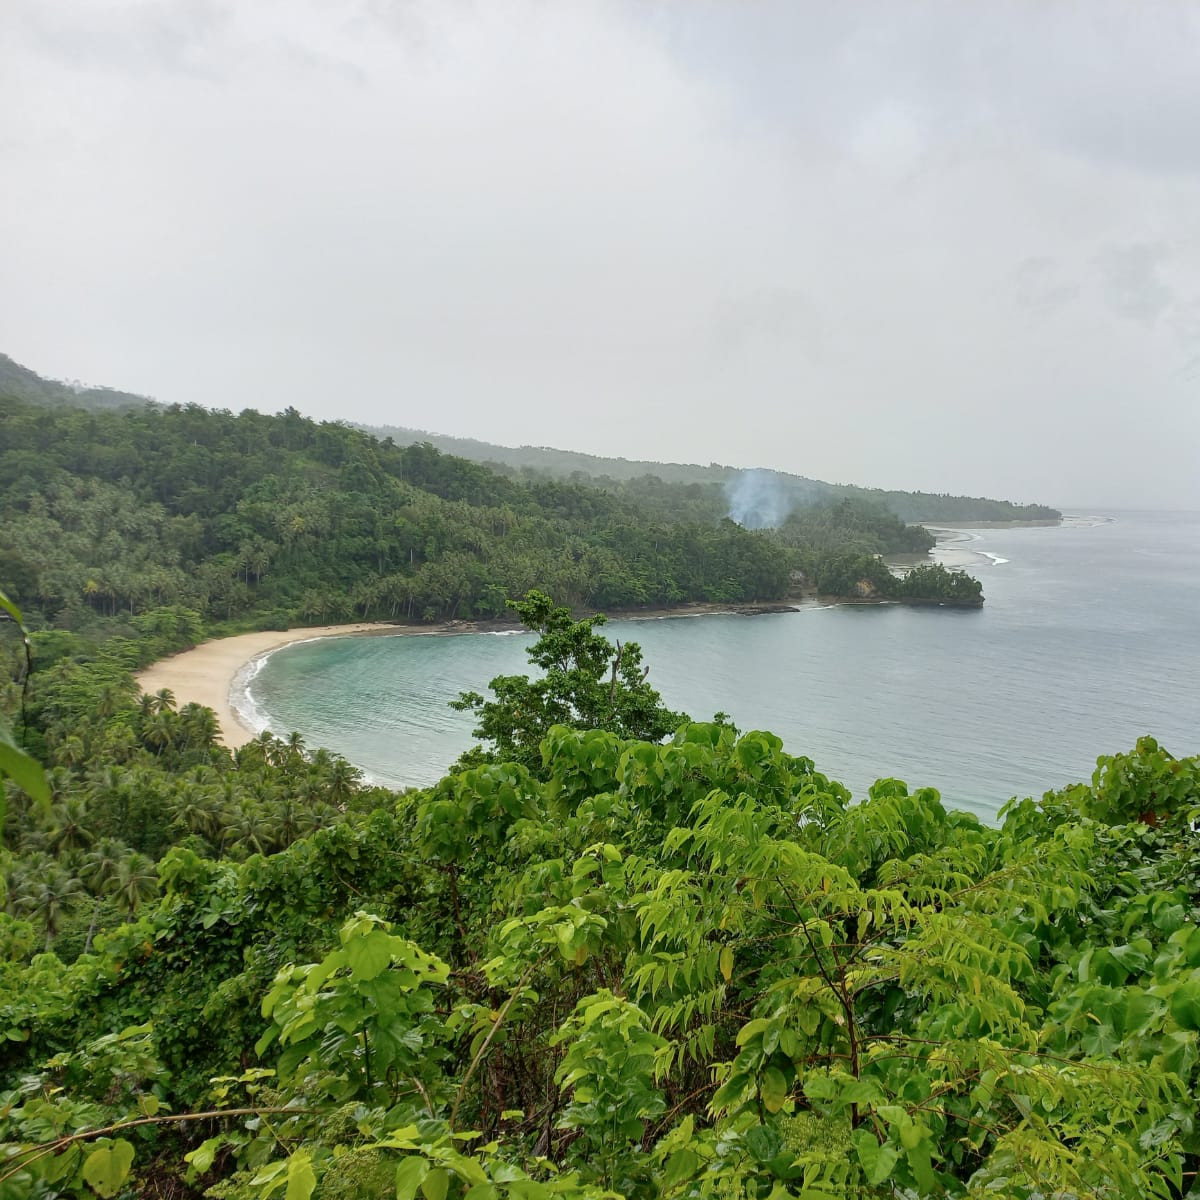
column 24, row 770
column 608, row 1065
column 360, row 1019
column 280, row 520
column 585, row 683
column 707, row 484
column 932, row 581
column 619, row 966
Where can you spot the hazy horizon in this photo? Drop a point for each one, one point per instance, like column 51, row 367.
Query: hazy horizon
column 1068, row 507
column 933, row 247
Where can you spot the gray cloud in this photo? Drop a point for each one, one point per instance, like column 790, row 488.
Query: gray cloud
column 1042, row 287
column 134, row 39
column 1133, row 282
column 923, row 245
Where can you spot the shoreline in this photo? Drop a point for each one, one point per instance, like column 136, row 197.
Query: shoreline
column 208, row 673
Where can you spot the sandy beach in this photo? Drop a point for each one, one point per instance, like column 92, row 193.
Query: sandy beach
column 205, row 674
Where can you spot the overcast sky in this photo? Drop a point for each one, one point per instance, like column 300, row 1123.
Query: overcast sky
column 949, row 246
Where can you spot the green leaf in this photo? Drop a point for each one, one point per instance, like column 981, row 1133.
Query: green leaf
column 751, row 1029
column 25, row 771
column 726, row 963
column 202, row 1158
column 10, row 608
column 774, row 1089
column 436, row 1184
column 922, row 1168
column 1185, row 1004
column 410, row 1175
column 877, row 1161
column 369, row 955
column 482, row 1191
column 681, row 1165
column 107, row 1167
column 301, row 1182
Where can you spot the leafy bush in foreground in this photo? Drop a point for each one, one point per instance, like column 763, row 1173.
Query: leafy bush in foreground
column 688, row 969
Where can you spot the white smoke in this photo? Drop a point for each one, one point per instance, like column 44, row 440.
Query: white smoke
column 757, row 499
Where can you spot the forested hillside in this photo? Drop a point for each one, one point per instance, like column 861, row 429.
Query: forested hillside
column 710, row 487
column 716, row 482
column 586, row 966
column 281, row 520
column 23, row 384
column 288, row 520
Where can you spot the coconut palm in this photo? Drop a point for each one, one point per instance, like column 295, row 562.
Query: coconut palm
column 196, row 809
column 135, row 882
column 48, row 897
column 99, row 875
column 70, row 826
column 199, row 726
column 343, row 778
column 249, row 831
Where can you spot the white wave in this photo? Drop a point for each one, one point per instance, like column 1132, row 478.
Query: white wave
column 502, row 632
column 241, row 698
column 996, row 558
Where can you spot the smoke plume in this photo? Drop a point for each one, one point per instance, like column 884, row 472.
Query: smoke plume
column 757, row 499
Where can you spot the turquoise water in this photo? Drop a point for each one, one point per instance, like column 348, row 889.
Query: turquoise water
column 1089, row 638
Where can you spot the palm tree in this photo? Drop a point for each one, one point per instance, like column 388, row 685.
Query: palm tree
column 160, row 732
column 72, row 752
column 99, row 874
column 249, row 829
column 343, row 778
column 196, row 810
column 136, row 881
column 200, row 729
column 100, row 864
column 70, row 828
column 48, row 896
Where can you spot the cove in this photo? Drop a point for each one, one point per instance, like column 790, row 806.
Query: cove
column 1087, row 641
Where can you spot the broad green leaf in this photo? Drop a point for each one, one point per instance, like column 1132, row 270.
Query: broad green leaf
column 410, row 1175
column 107, row 1167
column 369, row 955
column 1185, row 1004
column 922, row 1168
column 774, row 1089
column 482, row 1191
column 680, row 1166
column 751, row 1029
column 24, row 771
column 301, row 1182
column 726, row 963
column 202, row 1158
column 436, row 1184
column 877, row 1161
column 10, row 608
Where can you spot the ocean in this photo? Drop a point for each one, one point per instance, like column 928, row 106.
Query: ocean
column 1089, row 638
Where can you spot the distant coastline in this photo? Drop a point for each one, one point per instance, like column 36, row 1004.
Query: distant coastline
column 213, row 672
column 955, row 526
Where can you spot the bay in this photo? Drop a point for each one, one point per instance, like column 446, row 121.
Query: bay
column 1088, row 640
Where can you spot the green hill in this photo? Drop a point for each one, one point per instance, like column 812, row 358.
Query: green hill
column 793, row 490
column 23, row 384
column 718, row 481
